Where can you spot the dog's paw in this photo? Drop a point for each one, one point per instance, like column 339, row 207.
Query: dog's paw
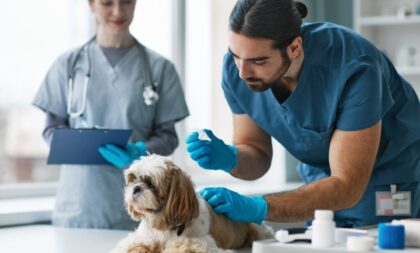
column 191, row 245
column 145, row 248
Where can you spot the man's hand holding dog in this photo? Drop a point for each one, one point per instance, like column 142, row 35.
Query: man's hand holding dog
column 236, row 206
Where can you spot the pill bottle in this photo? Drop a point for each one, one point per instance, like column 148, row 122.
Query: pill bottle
column 323, row 228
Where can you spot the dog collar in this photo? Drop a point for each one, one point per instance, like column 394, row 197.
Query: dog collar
column 179, row 229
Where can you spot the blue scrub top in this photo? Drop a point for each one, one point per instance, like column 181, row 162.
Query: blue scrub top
column 345, row 83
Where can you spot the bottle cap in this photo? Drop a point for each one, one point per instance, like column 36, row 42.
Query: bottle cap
column 360, row 243
column 341, row 234
column 391, row 236
column 324, row 214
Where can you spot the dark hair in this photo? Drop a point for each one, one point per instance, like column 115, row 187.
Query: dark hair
column 277, row 20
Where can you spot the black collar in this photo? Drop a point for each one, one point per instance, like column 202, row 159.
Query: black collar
column 179, row 229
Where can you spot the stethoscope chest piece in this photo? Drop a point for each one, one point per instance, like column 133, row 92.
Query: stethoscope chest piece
column 150, row 95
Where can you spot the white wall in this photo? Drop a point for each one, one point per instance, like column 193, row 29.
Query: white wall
column 207, row 42
column 31, row 39
column 151, row 25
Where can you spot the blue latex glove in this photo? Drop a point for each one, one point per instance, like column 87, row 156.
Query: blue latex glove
column 213, row 154
column 236, row 206
column 120, row 157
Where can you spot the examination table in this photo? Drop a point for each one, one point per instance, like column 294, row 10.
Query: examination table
column 50, row 239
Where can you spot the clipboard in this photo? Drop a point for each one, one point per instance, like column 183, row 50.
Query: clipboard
column 80, row 146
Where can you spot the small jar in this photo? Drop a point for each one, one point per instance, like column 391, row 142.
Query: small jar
column 403, row 57
column 404, row 11
column 412, row 56
column 323, row 228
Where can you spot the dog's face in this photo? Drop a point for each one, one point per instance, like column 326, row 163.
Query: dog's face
column 158, row 189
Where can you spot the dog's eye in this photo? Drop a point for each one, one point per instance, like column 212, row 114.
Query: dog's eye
column 149, row 183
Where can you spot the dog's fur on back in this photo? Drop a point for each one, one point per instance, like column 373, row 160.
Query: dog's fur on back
column 173, row 217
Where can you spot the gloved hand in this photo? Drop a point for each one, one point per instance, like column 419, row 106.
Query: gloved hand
column 213, row 154
column 123, row 157
column 236, row 206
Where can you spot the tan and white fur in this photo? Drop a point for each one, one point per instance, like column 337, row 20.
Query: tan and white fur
column 173, row 217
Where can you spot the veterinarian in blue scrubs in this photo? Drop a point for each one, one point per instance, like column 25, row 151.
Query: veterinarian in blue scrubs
column 129, row 87
column 334, row 101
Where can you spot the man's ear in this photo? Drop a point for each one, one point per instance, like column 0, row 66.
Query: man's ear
column 295, row 48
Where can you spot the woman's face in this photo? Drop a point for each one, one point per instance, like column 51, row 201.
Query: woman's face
column 113, row 16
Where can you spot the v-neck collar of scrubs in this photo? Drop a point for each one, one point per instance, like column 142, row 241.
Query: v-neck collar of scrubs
column 104, row 61
column 294, row 96
column 114, row 55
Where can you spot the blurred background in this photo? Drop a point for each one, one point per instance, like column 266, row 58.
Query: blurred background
column 192, row 34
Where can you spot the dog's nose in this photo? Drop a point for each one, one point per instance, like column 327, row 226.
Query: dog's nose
column 136, row 189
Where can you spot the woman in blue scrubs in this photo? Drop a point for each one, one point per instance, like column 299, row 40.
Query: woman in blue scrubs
column 121, row 70
column 334, row 101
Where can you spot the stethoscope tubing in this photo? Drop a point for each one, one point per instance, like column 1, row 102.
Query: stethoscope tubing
column 149, row 93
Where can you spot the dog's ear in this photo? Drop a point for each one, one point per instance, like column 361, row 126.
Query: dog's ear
column 181, row 205
column 133, row 213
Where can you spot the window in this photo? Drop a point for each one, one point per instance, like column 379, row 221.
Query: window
column 152, row 25
column 33, row 34
column 206, row 43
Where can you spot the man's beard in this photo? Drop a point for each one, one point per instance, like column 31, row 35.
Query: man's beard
column 260, row 85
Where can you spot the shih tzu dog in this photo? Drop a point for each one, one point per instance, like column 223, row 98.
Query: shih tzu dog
column 174, row 218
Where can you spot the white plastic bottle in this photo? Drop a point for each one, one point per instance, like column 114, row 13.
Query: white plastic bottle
column 323, row 228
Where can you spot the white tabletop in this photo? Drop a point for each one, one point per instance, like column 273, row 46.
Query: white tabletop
column 273, row 246
column 50, row 239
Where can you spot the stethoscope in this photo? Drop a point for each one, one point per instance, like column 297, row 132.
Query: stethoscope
column 150, row 94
